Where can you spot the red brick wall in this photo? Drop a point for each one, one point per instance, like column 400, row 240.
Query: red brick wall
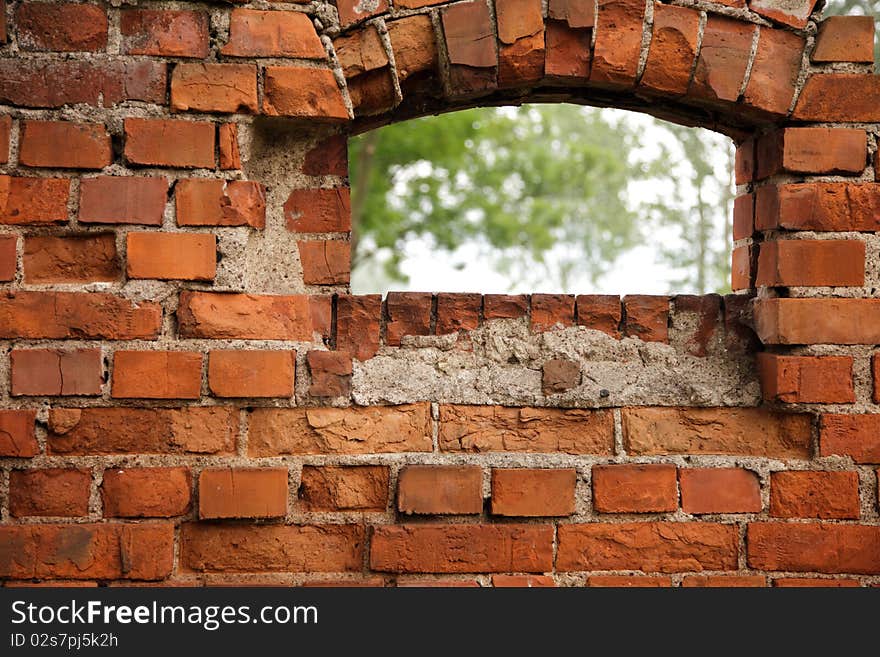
column 189, row 394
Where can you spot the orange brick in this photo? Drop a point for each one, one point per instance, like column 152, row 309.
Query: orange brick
column 251, row 373
column 318, row 210
column 54, row 492
column 170, row 143
column 551, row 311
column 164, row 32
column 64, row 145
column 814, row 547
column 628, row 581
column 25, row 201
column 230, row 88
column 8, row 257
column 807, row 379
column 806, row 494
column 522, row 581
column 246, row 316
column 533, row 492
column 122, row 200
column 71, row 259
column 814, row 582
column 330, row 373
column 17, row 435
column 344, row 488
column 647, row 317
column 167, row 256
column 434, row 490
column 856, row 436
column 303, row 92
column 56, row 371
column 325, row 262
column 793, row 263
column 243, row 493
column 719, row 490
column 203, row 202
column 845, row 39
column 634, row 488
column 818, row 321
column 724, row 581
column 146, row 492
column 812, row 150
column 157, row 374
column 272, row 34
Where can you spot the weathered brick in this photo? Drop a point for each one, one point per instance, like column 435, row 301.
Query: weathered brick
column 724, row 57
column 185, row 256
column 719, row 490
column 647, row 317
column 672, row 51
column 839, row 151
column 462, row 548
column 5, row 132
column 245, row 316
column 146, row 492
column 172, row 33
column 330, row 373
column 51, row 492
column 724, row 581
column 353, row 11
column 634, row 488
column 736, row 431
column 845, row 39
column 745, row 162
column 814, row 547
column 344, row 488
column 628, row 581
column 279, row 548
column 33, row 200
column 775, row 69
column 415, row 50
column 318, row 210
column 171, row 143
column 743, row 216
column 794, row 13
column 201, row 202
column 304, row 93
column 227, row 146
column 439, row 489
column 551, row 311
column 122, row 200
column 157, row 374
column 227, row 88
column 61, row 27
column 533, row 492
column 505, row 306
column 808, row 494
column 664, row 547
column 329, row 157
column 210, row 430
column 457, row 312
column 8, row 257
column 856, row 436
column 742, row 268
column 599, row 312
column 251, row 373
column 559, row 375
column 56, row 371
column 819, row 206
column 815, row 582
column 272, row 34
column 618, row 42
column 807, row 379
column 80, row 315
column 243, row 493
column 696, row 319
column 325, row 262
column 471, row 48
column 357, row 324
column 818, row 321
column 366, row 430
column 499, row 428
column 72, row 259
column 409, row 313
column 522, row 581
column 567, row 56
column 92, row 551
column 839, row 97
column 17, row 436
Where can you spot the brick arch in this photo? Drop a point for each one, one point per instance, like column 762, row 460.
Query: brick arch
column 191, row 395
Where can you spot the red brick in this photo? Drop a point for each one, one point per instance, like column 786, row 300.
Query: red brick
column 628, row 581
column 575, row 13
column 559, row 375
column 80, row 315
column 743, row 216
column 409, row 313
column 146, row 492
column 697, row 318
column 647, row 317
column 303, row 92
column 814, row 547
column 814, row 582
column 54, row 83
column 819, row 206
column 522, row 581
column 344, row 488
column 856, row 436
column 353, row 11
column 672, row 51
column 812, row 263
column 64, row 145
column 352, row 430
column 163, row 32
column 457, row 312
column 321, row 316
column 652, row 547
column 329, row 157
column 227, row 146
column 122, row 200
column 839, row 97
column 330, row 373
column 437, row 489
column 794, row 14
column 533, row 492
column 807, row 379
column 5, row 131
column 54, row 492
column 505, row 306
column 745, row 163
column 742, row 268
column 719, row 490
column 87, row 551
column 251, row 373
column 599, row 313
column 33, row 200
column 157, row 374
column 205, row 202
column 64, row 27
column 318, row 210
column 471, row 48
column 634, row 488
column 357, row 324
column 272, row 34
column 806, row 494
column 724, row 581
column 185, row 256
column 818, row 321
column 325, row 262
column 775, row 71
column 462, row 548
column 218, row 315
column 74, row 259
column 724, row 56
column 734, row 431
column 550, row 311
column 243, row 493
column 521, row 33
column 226, row 88
column 210, row 430
column 8, row 257
column 171, row 143
column 567, row 52
column 510, row 429
column 812, row 150
column 875, row 373
column 618, row 42
column 17, row 435
column 56, row 371
column 845, row 39
column 209, row 547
